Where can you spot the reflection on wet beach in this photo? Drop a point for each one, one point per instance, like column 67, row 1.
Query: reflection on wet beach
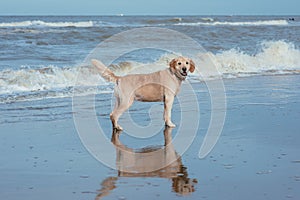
column 161, row 162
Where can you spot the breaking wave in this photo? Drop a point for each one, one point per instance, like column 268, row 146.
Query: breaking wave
column 39, row 23
column 211, row 22
column 274, row 57
column 158, row 22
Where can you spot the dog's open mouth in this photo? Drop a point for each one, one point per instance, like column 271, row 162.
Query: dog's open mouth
column 183, row 73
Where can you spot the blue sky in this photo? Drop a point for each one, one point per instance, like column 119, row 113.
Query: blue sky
column 150, row 7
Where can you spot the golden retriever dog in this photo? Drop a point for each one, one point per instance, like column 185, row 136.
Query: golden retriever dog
column 160, row 86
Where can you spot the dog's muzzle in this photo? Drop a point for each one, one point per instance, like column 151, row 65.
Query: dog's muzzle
column 183, row 73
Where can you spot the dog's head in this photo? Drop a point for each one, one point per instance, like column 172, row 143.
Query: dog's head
column 181, row 65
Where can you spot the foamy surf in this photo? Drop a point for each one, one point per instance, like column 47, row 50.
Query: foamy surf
column 211, row 22
column 40, row 23
column 57, row 82
column 273, row 58
column 205, row 21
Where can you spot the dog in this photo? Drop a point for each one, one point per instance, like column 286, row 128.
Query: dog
column 160, row 86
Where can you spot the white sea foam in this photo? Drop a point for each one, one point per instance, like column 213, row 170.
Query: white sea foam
column 46, row 78
column 209, row 19
column 273, row 57
column 246, row 23
column 177, row 21
column 37, row 23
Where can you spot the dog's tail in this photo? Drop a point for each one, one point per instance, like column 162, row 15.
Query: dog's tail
column 106, row 73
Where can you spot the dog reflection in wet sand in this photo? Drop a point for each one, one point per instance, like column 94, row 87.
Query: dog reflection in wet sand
column 161, row 162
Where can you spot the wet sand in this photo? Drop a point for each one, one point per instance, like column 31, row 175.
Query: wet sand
column 256, row 157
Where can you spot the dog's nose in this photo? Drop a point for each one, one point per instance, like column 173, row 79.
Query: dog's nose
column 184, row 69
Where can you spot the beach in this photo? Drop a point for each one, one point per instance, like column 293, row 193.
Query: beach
column 256, row 157
column 52, row 101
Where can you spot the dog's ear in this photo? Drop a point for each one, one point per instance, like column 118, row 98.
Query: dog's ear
column 172, row 64
column 192, row 66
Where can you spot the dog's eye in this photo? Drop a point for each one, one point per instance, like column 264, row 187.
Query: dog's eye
column 179, row 63
column 187, row 63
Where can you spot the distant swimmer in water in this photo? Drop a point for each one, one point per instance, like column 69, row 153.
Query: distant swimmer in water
column 292, row 19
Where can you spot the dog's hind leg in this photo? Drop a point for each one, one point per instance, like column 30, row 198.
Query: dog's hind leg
column 120, row 107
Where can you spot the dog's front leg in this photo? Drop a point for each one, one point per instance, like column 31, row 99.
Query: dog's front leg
column 169, row 99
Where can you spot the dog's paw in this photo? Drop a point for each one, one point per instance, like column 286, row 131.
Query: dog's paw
column 118, row 128
column 170, row 124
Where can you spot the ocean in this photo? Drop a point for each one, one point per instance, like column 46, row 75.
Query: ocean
column 41, row 55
